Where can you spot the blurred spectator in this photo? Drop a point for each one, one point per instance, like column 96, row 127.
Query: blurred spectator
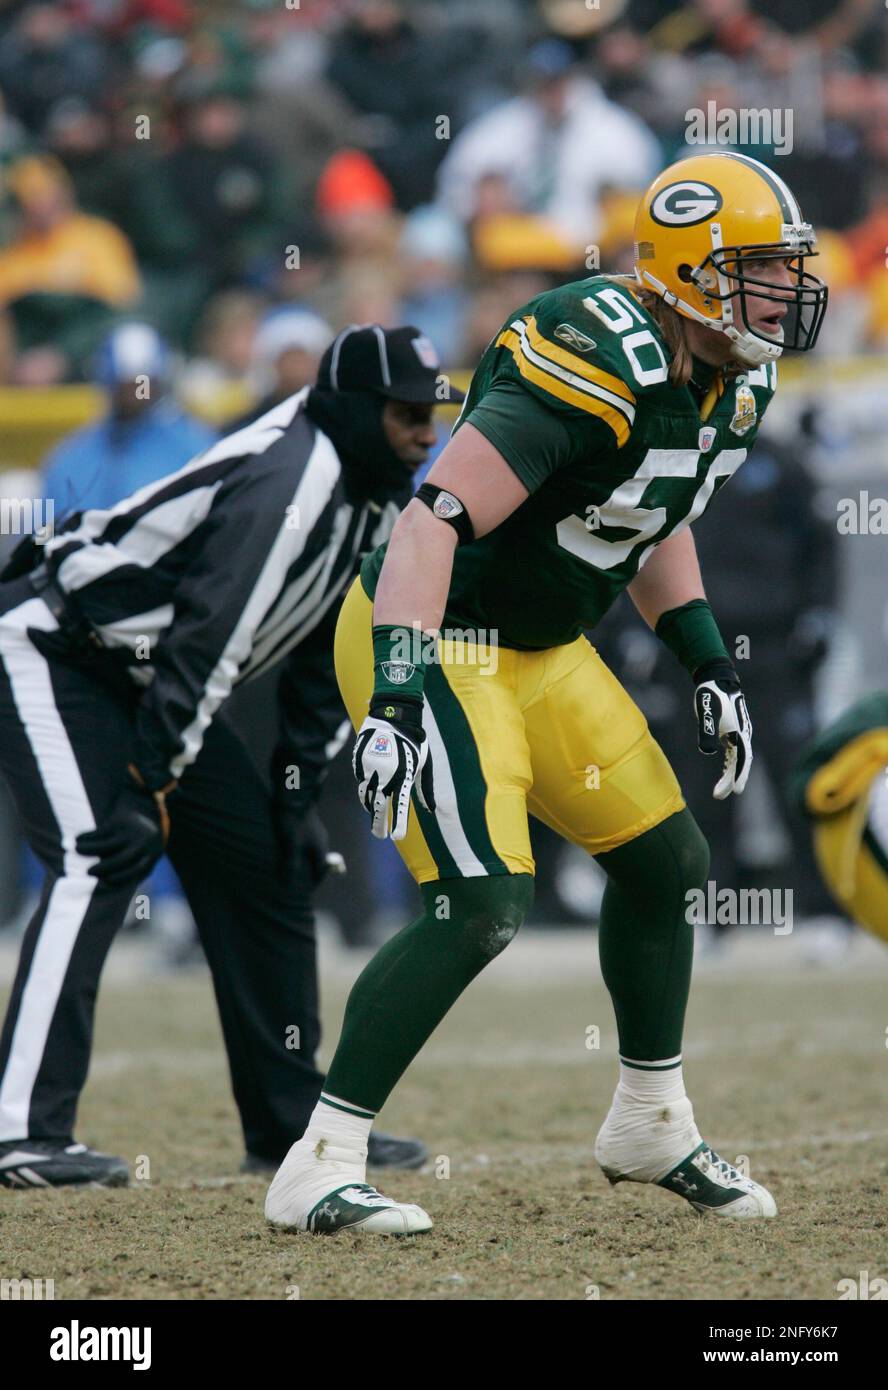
column 79, row 135
column 355, row 203
column 223, row 347
column 62, row 274
column 296, row 108
column 387, row 69
column 432, row 257
column 287, row 351
column 522, row 241
column 555, row 149
column 143, row 435
column 45, row 57
column 223, row 179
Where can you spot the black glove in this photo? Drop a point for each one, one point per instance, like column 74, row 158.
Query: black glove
column 130, row 839
column 723, row 723
column 302, row 835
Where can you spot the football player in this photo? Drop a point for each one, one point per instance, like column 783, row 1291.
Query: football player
column 841, row 783
column 600, row 423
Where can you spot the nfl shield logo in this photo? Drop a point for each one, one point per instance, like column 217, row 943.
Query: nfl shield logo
column 398, row 672
column 707, row 438
column 381, row 745
column 446, row 505
column 425, row 351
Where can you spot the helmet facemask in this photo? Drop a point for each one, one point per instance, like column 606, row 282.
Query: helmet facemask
column 721, row 277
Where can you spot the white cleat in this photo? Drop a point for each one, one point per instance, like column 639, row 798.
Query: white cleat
column 322, row 1188
column 659, row 1143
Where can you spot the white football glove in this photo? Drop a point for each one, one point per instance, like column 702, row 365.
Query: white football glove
column 391, row 756
column 723, row 723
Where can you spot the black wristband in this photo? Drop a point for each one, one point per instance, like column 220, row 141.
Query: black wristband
column 402, row 711
column 719, row 669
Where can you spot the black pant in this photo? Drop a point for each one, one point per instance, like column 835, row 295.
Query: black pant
column 66, row 736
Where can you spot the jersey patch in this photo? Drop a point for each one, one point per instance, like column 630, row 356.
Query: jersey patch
column 745, row 414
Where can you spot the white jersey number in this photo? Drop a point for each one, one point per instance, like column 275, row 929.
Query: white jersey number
column 587, row 537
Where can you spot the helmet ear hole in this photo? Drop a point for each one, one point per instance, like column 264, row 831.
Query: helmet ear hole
column 685, row 273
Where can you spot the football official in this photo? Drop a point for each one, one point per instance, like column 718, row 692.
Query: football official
column 120, row 641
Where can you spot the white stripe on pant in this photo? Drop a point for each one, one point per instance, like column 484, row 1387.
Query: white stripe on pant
column 71, row 895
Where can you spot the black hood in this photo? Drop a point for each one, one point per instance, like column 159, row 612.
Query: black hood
column 352, row 420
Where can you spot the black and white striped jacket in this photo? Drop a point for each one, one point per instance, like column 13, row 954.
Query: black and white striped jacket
column 214, row 573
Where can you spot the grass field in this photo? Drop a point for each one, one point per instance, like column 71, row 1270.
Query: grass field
column 786, row 1064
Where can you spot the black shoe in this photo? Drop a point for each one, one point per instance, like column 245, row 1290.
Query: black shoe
column 258, row 1163
column 386, row 1151
column 383, row 1151
column 53, row 1163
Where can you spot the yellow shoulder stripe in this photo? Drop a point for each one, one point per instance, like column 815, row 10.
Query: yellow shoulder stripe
column 546, row 348
column 591, row 405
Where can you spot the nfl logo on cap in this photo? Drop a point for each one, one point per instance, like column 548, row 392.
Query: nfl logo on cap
column 425, row 351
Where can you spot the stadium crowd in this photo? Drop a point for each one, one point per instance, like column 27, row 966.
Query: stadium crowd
column 200, row 165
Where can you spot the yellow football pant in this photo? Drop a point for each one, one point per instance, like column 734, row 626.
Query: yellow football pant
column 552, row 733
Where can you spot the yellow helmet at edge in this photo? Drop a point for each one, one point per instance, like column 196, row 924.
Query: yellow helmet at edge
column 700, row 223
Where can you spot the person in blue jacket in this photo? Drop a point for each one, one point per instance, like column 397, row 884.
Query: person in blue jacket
column 143, row 435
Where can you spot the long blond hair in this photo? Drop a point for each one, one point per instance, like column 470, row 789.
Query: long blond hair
column 671, row 325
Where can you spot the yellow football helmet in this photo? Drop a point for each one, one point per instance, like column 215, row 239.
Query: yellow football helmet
column 696, row 226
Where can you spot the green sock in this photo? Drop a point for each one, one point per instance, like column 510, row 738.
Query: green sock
column 401, row 996
column 645, row 943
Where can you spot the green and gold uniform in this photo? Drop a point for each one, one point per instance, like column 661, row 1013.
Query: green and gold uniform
column 841, row 782
column 574, row 394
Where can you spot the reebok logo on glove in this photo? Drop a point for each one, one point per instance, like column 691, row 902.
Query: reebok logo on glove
column 708, row 721
column 723, row 725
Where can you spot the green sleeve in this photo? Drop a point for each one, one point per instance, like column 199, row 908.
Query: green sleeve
column 534, row 440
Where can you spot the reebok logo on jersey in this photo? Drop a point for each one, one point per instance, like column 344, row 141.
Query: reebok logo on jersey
column 398, row 672
column 574, row 338
column 446, row 505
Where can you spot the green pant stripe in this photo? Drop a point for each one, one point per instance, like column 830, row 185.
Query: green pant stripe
column 348, row 1109
column 651, row 1066
column 468, row 780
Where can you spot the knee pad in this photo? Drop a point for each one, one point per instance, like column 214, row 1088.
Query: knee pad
column 488, row 911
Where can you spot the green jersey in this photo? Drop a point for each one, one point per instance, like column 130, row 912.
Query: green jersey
column 573, row 392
